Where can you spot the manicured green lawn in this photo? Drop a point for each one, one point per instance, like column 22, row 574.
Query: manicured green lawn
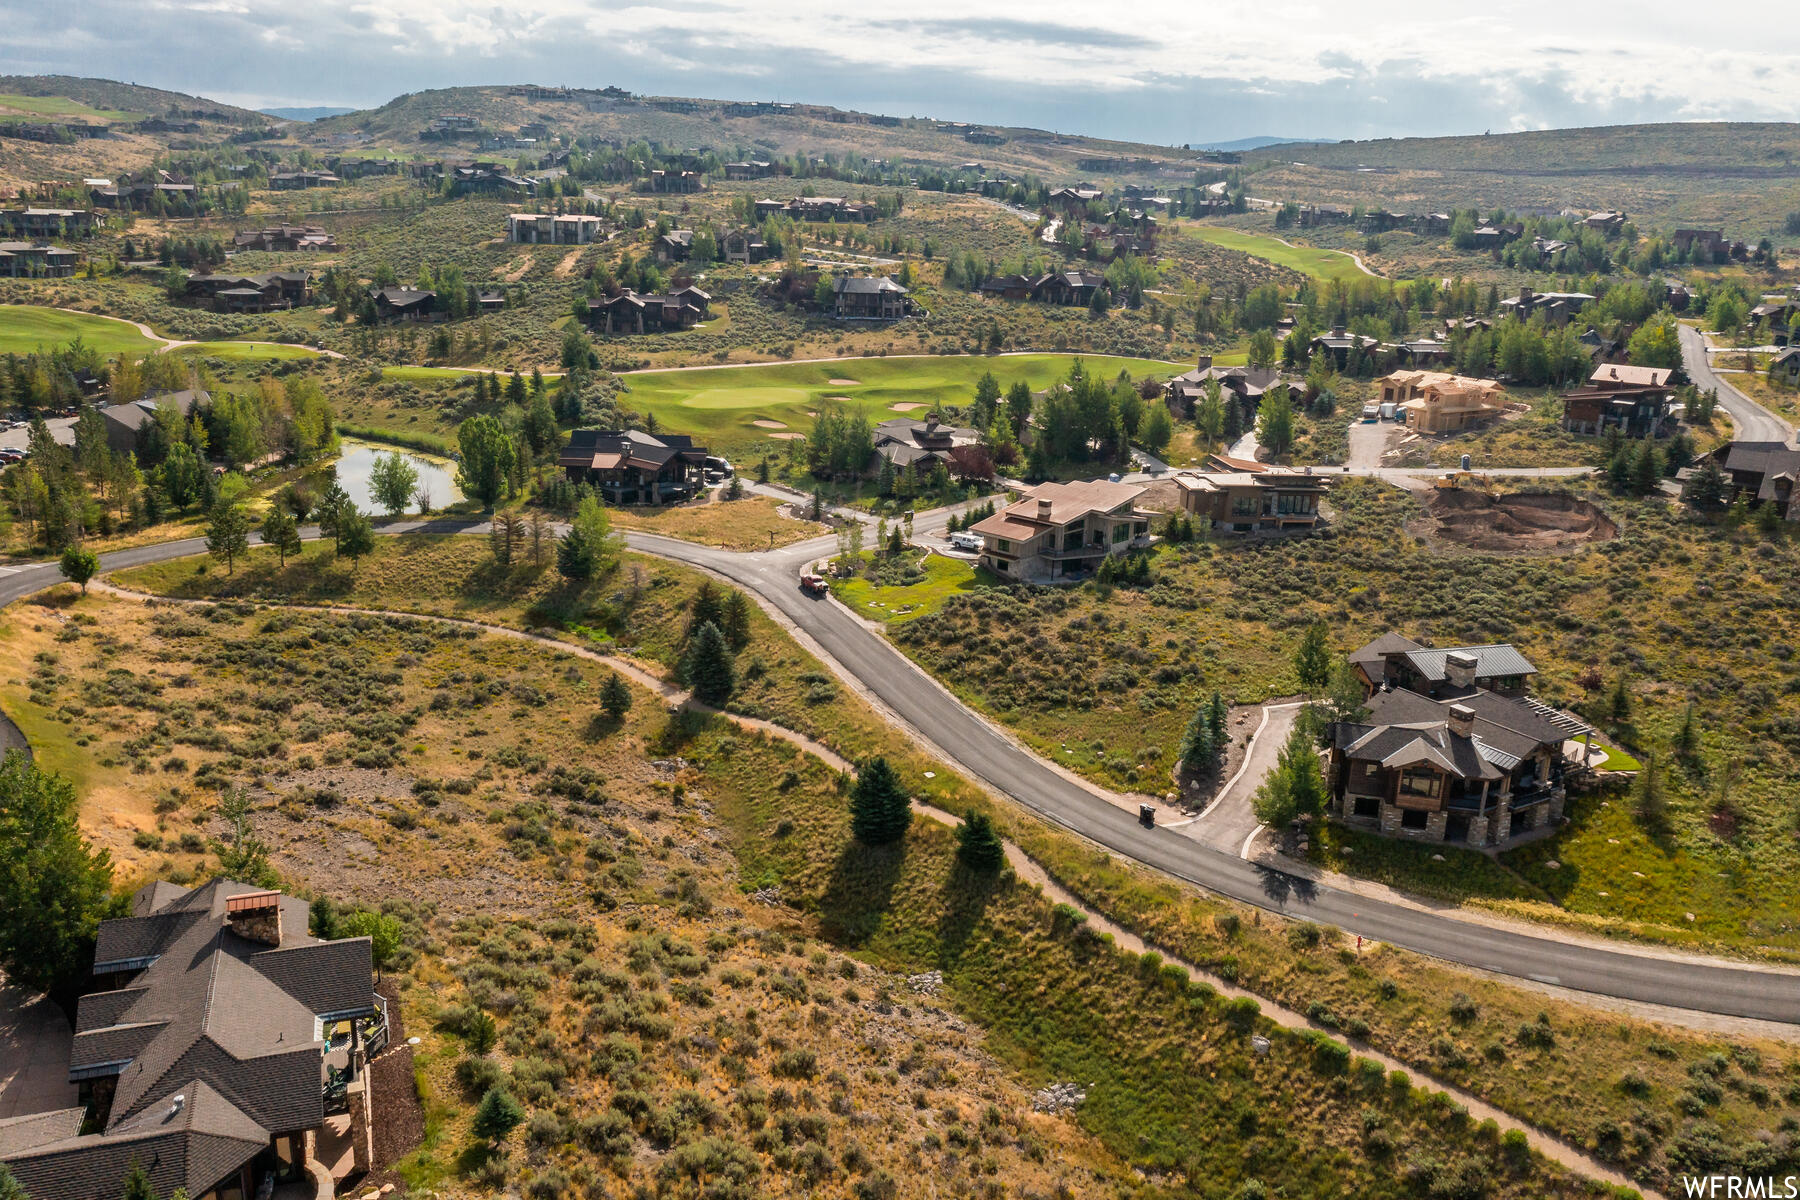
column 944, row 577
column 248, row 351
column 722, row 405
column 28, row 327
column 1308, row 260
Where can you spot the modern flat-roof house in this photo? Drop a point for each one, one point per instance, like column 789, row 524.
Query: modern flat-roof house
column 1768, row 472
column 208, row 1054
column 568, row 229
column 1063, row 530
column 678, row 182
column 48, row 222
column 869, row 298
column 909, row 442
column 1434, row 402
column 754, row 169
column 632, row 467
column 1639, row 401
column 1260, row 499
column 629, row 312
column 125, row 422
column 403, row 304
column 37, row 260
column 1451, row 748
column 296, row 180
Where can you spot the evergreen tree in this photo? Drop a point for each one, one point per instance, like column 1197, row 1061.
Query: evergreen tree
column 137, row 1184
column 880, row 809
column 574, row 555
column 1644, row 469
column 707, row 608
column 1618, row 706
column 1705, row 488
column 1218, row 716
column 737, row 619
column 707, row 667
column 356, row 536
column 498, row 1113
column 978, row 845
column 615, row 697
column 1687, row 738
column 1198, row 749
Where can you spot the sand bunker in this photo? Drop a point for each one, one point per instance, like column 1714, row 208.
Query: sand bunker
column 1521, row 522
column 907, row 407
column 765, row 423
column 788, row 437
column 843, row 383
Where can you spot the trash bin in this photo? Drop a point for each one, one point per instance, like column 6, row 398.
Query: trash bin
column 1146, row 815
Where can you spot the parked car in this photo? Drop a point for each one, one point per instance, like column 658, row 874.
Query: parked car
column 716, row 464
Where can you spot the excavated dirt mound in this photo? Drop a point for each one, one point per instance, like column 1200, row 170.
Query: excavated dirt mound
column 1520, row 522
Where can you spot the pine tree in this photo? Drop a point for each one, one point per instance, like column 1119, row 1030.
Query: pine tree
column 575, row 554
column 1687, row 738
column 1619, row 706
column 978, row 845
column 1198, row 749
column 1217, row 717
column 737, row 619
column 880, row 809
column 498, row 1114
column 1644, row 469
column 707, row 666
column 706, row 608
column 615, row 697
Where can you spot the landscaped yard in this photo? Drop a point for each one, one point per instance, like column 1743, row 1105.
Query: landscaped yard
column 1308, row 260
column 26, row 327
column 941, row 578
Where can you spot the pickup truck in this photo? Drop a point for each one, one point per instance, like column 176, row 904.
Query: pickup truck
column 814, row 585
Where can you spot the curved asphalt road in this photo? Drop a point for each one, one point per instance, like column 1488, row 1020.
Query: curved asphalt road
column 1752, row 422
column 966, row 739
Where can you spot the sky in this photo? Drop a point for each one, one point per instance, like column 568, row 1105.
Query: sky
column 1187, row 71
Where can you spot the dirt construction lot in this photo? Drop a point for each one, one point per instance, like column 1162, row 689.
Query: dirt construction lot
column 1516, row 523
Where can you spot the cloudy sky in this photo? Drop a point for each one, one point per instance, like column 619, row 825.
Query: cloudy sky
column 1164, row 71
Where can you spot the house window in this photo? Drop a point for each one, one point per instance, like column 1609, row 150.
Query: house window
column 1244, row 506
column 1002, row 545
column 1120, row 533
column 1413, row 818
column 1426, row 783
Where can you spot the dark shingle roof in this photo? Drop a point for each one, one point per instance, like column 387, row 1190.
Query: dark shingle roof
column 1490, row 661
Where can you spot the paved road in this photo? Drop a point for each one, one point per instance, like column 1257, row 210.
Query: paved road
column 965, row 738
column 1752, row 422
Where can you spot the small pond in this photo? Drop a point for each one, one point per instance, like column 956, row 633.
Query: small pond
column 436, row 475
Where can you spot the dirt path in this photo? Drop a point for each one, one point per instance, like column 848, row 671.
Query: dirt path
column 632, row 669
column 1548, row 1145
column 566, row 267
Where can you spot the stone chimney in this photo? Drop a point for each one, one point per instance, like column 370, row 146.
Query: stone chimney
column 255, row 916
column 1462, row 720
column 1043, row 509
column 1459, row 669
column 1204, row 361
column 1525, row 297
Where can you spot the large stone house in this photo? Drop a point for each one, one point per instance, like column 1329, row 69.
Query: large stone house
column 910, row 442
column 1247, row 384
column 1434, row 402
column 630, row 312
column 269, row 292
column 1450, row 747
column 217, row 1039
column 1255, row 498
column 403, row 304
column 1639, row 401
column 1063, row 530
column 869, row 298
column 1766, row 472
column 632, row 467
column 286, row 237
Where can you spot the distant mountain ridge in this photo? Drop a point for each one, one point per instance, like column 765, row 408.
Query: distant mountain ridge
column 1258, row 143
column 315, row 113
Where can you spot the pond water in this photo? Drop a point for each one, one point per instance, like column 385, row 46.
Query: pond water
column 436, row 475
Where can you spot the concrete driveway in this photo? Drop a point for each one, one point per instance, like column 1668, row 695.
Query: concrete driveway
column 1228, row 822
column 35, row 1040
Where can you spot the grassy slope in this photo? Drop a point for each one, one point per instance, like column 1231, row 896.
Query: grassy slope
column 1400, row 1001
column 24, row 328
column 1308, row 260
